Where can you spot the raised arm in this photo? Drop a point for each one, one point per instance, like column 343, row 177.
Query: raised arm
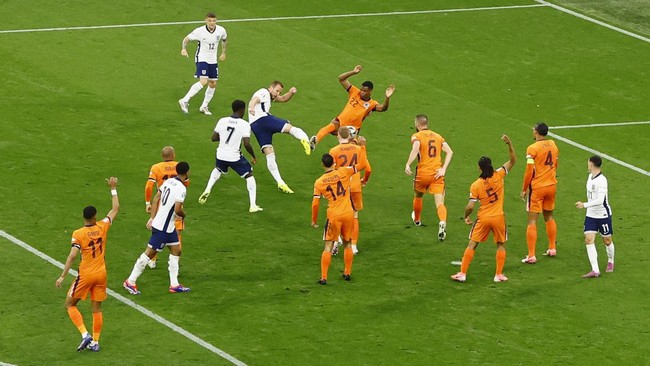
column 286, row 96
column 414, row 154
column 384, row 107
column 511, row 150
column 112, row 183
column 343, row 78
column 448, row 154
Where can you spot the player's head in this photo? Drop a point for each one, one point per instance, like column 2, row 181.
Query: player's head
column 238, row 107
column 485, row 165
column 327, row 160
column 540, row 129
column 594, row 163
column 211, row 20
column 275, row 89
column 344, row 133
column 89, row 213
column 183, row 170
column 421, row 122
column 366, row 90
column 168, row 153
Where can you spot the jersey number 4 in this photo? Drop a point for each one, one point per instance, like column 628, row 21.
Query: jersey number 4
column 340, row 190
column 549, row 159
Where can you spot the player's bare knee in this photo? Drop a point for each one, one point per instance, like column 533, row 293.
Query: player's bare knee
column 267, row 150
column 607, row 240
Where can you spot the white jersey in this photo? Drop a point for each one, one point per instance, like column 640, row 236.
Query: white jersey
column 263, row 107
column 171, row 191
column 598, row 203
column 231, row 131
column 208, row 42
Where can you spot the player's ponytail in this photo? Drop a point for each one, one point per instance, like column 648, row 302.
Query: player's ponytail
column 485, row 164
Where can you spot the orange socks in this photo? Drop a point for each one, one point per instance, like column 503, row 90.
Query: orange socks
column 325, row 260
column 348, row 257
column 551, row 231
column 77, row 319
column 531, row 239
column 417, row 207
column 98, row 322
column 442, row 213
column 501, row 261
column 467, row 259
column 355, row 231
column 325, row 131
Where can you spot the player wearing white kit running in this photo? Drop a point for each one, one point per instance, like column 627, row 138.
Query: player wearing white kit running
column 167, row 204
column 265, row 125
column 598, row 218
column 207, row 68
column 231, row 132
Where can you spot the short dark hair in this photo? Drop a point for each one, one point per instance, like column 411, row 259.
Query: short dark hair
column 541, row 128
column 596, row 160
column 211, row 15
column 368, row 84
column 89, row 212
column 182, row 168
column 327, row 160
column 487, row 170
column 422, row 119
column 277, row 82
column 238, row 105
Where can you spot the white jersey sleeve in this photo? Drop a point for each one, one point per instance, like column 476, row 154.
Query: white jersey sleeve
column 171, row 191
column 231, row 133
column 597, row 204
column 208, row 43
column 263, row 107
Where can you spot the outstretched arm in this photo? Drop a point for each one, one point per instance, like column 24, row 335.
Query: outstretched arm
column 511, row 150
column 286, row 96
column 343, row 78
column 384, row 107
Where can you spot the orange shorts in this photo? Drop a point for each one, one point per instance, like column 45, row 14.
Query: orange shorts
column 542, row 198
column 357, row 200
column 429, row 184
column 483, row 225
column 339, row 226
column 95, row 283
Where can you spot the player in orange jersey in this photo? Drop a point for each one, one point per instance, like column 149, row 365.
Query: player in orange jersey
column 335, row 186
column 90, row 240
column 430, row 172
column 350, row 152
column 158, row 174
column 488, row 190
column 359, row 106
column 539, row 189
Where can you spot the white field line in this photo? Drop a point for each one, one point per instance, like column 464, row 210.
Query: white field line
column 603, row 155
column 6, row 364
column 353, row 15
column 595, row 21
column 128, row 302
column 601, row 125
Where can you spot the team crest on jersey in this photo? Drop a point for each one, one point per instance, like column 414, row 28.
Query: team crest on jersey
column 366, row 105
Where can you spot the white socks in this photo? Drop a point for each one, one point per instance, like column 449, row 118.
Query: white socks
column 173, row 270
column 273, row 167
column 298, row 133
column 209, row 93
column 138, row 268
column 252, row 190
column 195, row 88
column 214, row 177
column 610, row 252
column 593, row 257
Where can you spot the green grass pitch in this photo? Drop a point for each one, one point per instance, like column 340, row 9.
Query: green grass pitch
column 79, row 105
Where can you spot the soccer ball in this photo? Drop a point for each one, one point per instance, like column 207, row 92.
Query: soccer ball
column 353, row 132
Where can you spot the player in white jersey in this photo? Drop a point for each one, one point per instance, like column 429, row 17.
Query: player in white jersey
column 231, row 132
column 598, row 218
column 265, row 125
column 167, row 204
column 207, row 69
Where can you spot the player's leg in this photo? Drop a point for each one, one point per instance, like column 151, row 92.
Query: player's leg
column 331, row 232
column 347, row 224
column 606, row 231
column 213, row 76
column 272, row 165
column 174, row 258
column 220, row 167
column 501, row 261
column 75, row 314
column 155, row 245
column 202, row 75
column 357, row 205
column 331, row 127
column 468, row 256
column 548, row 204
column 264, row 129
column 438, row 190
column 534, row 208
column 98, row 323
column 499, row 230
column 419, row 187
column 299, row 134
column 592, row 254
column 251, row 186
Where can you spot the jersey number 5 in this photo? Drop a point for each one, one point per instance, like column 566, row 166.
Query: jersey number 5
column 492, row 194
column 340, row 190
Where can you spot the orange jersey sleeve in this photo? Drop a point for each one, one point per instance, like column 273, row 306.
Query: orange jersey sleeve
column 543, row 155
column 356, row 109
column 429, row 156
column 335, row 187
column 91, row 241
column 489, row 192
column 158, row 174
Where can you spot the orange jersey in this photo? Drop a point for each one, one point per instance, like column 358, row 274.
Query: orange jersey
column 351, row 154
column 544, row 154
column 162, row 171
column 489, row 192
column 91, row 241
column 429, row 156
column 335, row 186
column 356, row 109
